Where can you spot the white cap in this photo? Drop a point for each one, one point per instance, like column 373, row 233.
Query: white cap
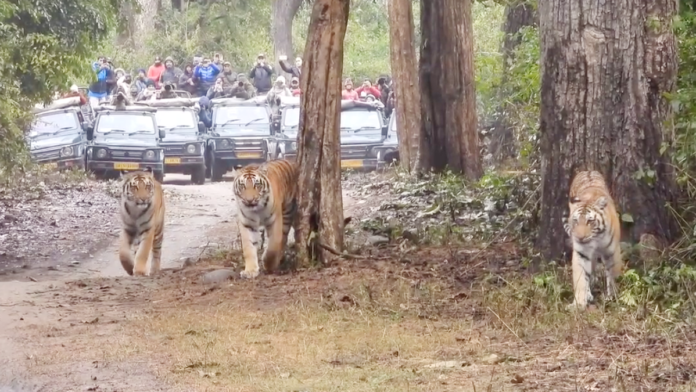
column 74, row 88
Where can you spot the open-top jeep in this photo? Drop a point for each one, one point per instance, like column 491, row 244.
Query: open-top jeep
column 184, row 144
column 125, row 140
column 57, row 137
column 363, row 132
column 239, row 134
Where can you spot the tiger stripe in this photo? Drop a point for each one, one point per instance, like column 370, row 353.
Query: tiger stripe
column 142, row 219
column 595, row 231
column 266, row 200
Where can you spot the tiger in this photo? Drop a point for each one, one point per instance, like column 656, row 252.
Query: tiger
column 595, row 232
column 142, row 218
column 266, row 198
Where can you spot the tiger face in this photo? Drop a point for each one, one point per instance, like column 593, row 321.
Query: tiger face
column 140, row 189
column 587, row 219
column 251, row 188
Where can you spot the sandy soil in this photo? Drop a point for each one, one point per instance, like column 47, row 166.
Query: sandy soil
column 34, row 295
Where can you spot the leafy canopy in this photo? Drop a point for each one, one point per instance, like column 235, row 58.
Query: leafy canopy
column 43, row 44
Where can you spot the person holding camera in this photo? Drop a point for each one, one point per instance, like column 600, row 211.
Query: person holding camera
column 206, row 73
column 229, row 74
column 168, row 91
column 383, row 86
column 295, row 70
column 295, row 86
column 242, row 88
column 369, row 89
column 218, row 90
column 261, row 75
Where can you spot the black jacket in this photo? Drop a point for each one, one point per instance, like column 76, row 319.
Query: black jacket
column 292, row 70
column 261, row 77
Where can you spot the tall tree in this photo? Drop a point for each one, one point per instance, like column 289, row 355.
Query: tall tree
column 448, row 95
column 606, row 68
column 405, row 76
column 320, row 200
column 518, row 14
column 284, row 12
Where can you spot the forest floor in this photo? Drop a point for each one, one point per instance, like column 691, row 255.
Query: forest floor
column 400, row 314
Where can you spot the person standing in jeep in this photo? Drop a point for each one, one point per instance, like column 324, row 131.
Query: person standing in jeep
column 261, row 75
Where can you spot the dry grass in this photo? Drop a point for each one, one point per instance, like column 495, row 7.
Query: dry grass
column 413, row 323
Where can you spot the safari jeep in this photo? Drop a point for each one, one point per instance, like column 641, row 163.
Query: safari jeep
column 388, row 153
column 239, row 134
column 57, row 137
column 184, row 143
column 284, row 144
column 125, row 140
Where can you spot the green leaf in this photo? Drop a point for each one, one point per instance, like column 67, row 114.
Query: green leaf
column 627, row 218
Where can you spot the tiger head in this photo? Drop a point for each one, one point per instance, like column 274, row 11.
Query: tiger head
column 587, row 218
column 251, row 186
column 139, row 188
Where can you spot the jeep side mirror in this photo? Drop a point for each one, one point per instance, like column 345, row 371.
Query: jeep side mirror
column 201, row 127
column 385, row 130
column 162, row 134
column 90, row 132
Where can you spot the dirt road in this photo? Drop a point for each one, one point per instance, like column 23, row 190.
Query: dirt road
column 199, row 219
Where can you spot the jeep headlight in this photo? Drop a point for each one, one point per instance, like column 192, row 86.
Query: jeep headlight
column 225, row 144
column 191, row 149
column 101, row 153
column 150, row 155
column 67, row 151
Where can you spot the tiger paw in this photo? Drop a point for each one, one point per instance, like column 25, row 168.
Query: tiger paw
column 139, row 273
column 249, row 274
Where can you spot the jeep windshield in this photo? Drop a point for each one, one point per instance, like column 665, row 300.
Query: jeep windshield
column 125, row 124
column 182, row 121
column 51, row 124
column 360, row 121
column 240, row 116
column 292, row 118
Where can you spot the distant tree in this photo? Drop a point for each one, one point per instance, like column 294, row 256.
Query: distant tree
column 320, row 199
column 448, row 94
column 44, row 46
column 404, row 64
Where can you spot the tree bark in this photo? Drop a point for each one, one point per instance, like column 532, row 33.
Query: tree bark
column 283, row 14
column 320, row 200
column 448, row 95
column 405, row 75
column 518, row 14
column 605, row 70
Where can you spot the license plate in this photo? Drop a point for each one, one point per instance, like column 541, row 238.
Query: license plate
column 52, row 165
column 352, row 163
column 248, row 155
column 173, row 161
column 126, row 166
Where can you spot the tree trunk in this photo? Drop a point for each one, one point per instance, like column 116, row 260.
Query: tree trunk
column 448, row 96
column 517, row 15
column 141, row 16
column 283, row 14
column 405, row 75
column 320, row 200
column 605, row 70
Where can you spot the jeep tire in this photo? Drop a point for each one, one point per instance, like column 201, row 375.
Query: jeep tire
column 198, row 175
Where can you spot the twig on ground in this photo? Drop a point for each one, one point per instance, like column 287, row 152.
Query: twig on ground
column 506, row 326
column 344, row 254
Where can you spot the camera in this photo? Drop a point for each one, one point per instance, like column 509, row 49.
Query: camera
column 168, row 87
column 240, row 84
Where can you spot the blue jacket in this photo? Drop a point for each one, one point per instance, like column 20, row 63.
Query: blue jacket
column 206, row 74
column 98, row 89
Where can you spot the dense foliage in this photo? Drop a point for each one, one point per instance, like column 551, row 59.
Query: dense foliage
column 43, row 45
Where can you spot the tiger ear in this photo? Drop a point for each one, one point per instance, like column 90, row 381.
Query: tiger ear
column 574, row 200
column 602, row 202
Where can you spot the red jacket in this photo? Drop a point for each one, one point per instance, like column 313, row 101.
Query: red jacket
column 296, row 92
column 370, row 90
column 155, row 72
column 83, row 99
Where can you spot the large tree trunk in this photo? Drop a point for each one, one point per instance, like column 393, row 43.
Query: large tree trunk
column 518, row 14
column 605, row 70
column 140, row 16
column 320, row 200
column 406, row 89
column 448, row 95
column 283, row 14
